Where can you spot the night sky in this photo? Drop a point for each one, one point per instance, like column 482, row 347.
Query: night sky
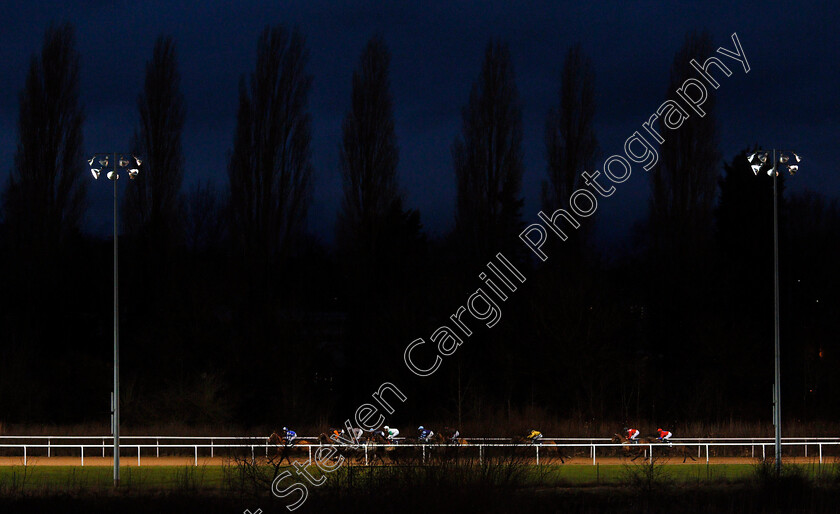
column 788, row 99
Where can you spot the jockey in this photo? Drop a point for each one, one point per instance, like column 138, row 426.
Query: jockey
column 664, row 435
column 289, row 435
column 534, row 436
column 390, row 433
column 356, row 433
column 336, row 433
column 454, row 433
column 425, row 434
column 632, row 434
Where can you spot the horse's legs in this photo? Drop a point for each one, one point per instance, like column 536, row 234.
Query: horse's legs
column 285, row 455
column 560, row 454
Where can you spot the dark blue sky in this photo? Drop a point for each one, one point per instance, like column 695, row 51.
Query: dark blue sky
column 789, row 98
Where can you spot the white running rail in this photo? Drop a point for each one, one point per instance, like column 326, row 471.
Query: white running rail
column 210, row 445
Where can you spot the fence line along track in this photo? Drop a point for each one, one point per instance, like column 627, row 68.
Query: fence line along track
column 254, row 443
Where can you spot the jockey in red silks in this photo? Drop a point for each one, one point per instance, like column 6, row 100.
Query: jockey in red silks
column 632, row 433
column 664, row 435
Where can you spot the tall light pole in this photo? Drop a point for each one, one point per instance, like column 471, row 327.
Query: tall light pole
column 758, row 161
column 113, row 173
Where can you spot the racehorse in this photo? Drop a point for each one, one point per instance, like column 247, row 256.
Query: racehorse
column 679, row 449
column 630, row 447
column 280, row 447
column 545, row 444
column 344, row 447
column 450, row 449
column 639, row 449
column 378, row 448
column 396, row 453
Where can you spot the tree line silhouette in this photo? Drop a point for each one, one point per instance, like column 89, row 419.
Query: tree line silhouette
column 232, row 312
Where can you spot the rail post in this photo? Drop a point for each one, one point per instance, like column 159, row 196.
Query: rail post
column 83, row 455
column 103, row 448
column 138, row 455
column 650, row 457
column 24, row 455
column 157, row 448
column 538, row 454
column 820, row 445
column 366, row 455
column 196, row 455
column 480, row 454
column 254, row 459
column 763, row 457
column 49, row 443
column 424, row 452
column 309, row 447
column 593, row 454
column 707, row 453
column 211, row 448
column 806, row 450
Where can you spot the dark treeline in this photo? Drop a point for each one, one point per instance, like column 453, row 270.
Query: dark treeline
column 232, row 312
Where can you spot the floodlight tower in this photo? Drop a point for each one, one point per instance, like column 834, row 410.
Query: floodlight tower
column 759, row 160
column 132, row 167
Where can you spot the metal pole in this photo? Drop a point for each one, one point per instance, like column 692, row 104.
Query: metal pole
column 778, row 411
column 116, row 341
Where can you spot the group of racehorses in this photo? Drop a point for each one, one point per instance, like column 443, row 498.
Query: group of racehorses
column 639, row 447
column 444, row 448
column 370, row 447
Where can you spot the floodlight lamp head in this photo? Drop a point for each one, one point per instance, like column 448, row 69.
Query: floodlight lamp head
column 112, row 175
column 755, row 168
column 123, row 161
column 95, row 173
column 751, row 156
column 137, row 160
column 783, row 158
column 90, row 162
column 797, row 157
column 792, row 169
column 763, row 157
column 770, row 173
column 132, row 173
